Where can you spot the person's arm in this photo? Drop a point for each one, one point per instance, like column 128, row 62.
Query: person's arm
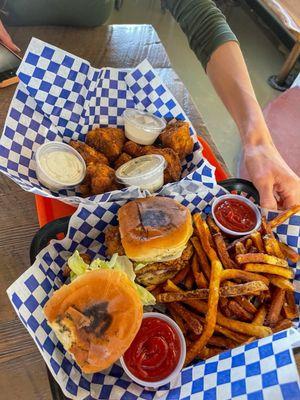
column 216, row 47
column 268, row 171
column 7, row 40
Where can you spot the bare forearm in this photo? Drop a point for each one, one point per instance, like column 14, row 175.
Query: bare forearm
column 228, row 72
column 268, row 171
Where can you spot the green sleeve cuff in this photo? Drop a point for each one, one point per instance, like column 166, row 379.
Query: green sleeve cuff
column 204, row 25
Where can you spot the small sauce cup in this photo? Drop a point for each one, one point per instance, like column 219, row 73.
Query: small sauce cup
column 142, row 127
column 246, row 204
column 181, row 359
column 59, row 166
column 145, row 172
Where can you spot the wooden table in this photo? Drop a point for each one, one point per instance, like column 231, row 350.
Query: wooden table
column 22, row 370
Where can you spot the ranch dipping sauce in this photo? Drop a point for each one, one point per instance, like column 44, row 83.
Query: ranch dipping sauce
column 142, row 127
column 59, row 166
column 146, row 172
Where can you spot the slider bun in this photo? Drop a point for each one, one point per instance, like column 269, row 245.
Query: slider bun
column 154, row 229
column 96, row 317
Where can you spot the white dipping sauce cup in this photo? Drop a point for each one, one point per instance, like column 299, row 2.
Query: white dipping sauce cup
column 244, row 200
column 142, row 127
column 178, row 367
column 145, row 172
column 49, row 181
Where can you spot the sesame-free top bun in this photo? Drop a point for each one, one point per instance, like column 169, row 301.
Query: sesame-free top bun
column 95, row 317
column 154, row 229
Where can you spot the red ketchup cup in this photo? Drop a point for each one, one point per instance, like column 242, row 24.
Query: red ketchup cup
column 236, row 215
column 157, row 353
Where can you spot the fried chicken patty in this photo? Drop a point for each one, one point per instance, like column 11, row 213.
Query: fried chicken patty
column 153, row 273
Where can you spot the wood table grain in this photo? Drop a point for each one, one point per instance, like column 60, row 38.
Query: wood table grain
column 22, row 370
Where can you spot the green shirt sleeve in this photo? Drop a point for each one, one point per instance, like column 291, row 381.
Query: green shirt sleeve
column 204, row 25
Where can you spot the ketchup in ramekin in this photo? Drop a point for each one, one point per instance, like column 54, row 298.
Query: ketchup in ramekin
column 157, row 353
column 236, row 215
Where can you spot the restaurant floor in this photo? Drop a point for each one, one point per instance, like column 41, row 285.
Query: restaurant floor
column 262, row 57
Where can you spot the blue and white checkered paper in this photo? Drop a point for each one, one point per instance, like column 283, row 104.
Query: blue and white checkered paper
column 264, row 369
column 61, row 97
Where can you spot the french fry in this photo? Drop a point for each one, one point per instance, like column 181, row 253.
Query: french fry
column 257, row 241
column 208, row 352
column 240, row 248
column 200, row 280
column 289, row 306
column 201, row 256
column 205, row 237
column 171, row 287
column 260, row 316
column 244, row 327
column 242, row 240
column 268, row 243
column 260, row 258
column 199, row 277
column 191, row 321
column 265, row 297
column 157, row 290
column 239, row 311
column 283, row 216
column 181, row 275
column 223, row 304
column 195, row 265
column 212, row 225
column 189, row 280
column 237, row 326
column 289, row 252
column 222, row 251
column 283, row 324
column 249, row 340
column 272, row 246
column 224, row 291
column 248, row 244
column 276, row 306
column 246, row 304
column 228, row 274
column 150, row 288
column 281, row 282
column 211, row 315
column 234, row 336
column 270, row 269
column 177, row 318
column 219, row 341
column 231, row 324
column 265, row 227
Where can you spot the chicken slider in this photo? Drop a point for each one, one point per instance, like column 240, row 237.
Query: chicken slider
column 154, row 229
column 96, row 317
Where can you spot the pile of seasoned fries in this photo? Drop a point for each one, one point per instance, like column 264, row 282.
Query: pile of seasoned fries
column 243, row 288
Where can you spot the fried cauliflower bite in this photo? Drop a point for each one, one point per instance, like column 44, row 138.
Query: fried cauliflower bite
column 88, row 153
column 108, row 141
column 122, row 159
column 133, row 149
column 172, row 171
column 177, row 137
column 100, row 178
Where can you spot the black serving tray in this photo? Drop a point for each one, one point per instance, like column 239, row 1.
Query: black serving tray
column 60, row 226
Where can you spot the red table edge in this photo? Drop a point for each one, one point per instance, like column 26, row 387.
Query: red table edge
column 51, row 209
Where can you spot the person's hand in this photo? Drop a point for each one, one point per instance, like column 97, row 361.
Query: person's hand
column 277, row 184
column 7, row 40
